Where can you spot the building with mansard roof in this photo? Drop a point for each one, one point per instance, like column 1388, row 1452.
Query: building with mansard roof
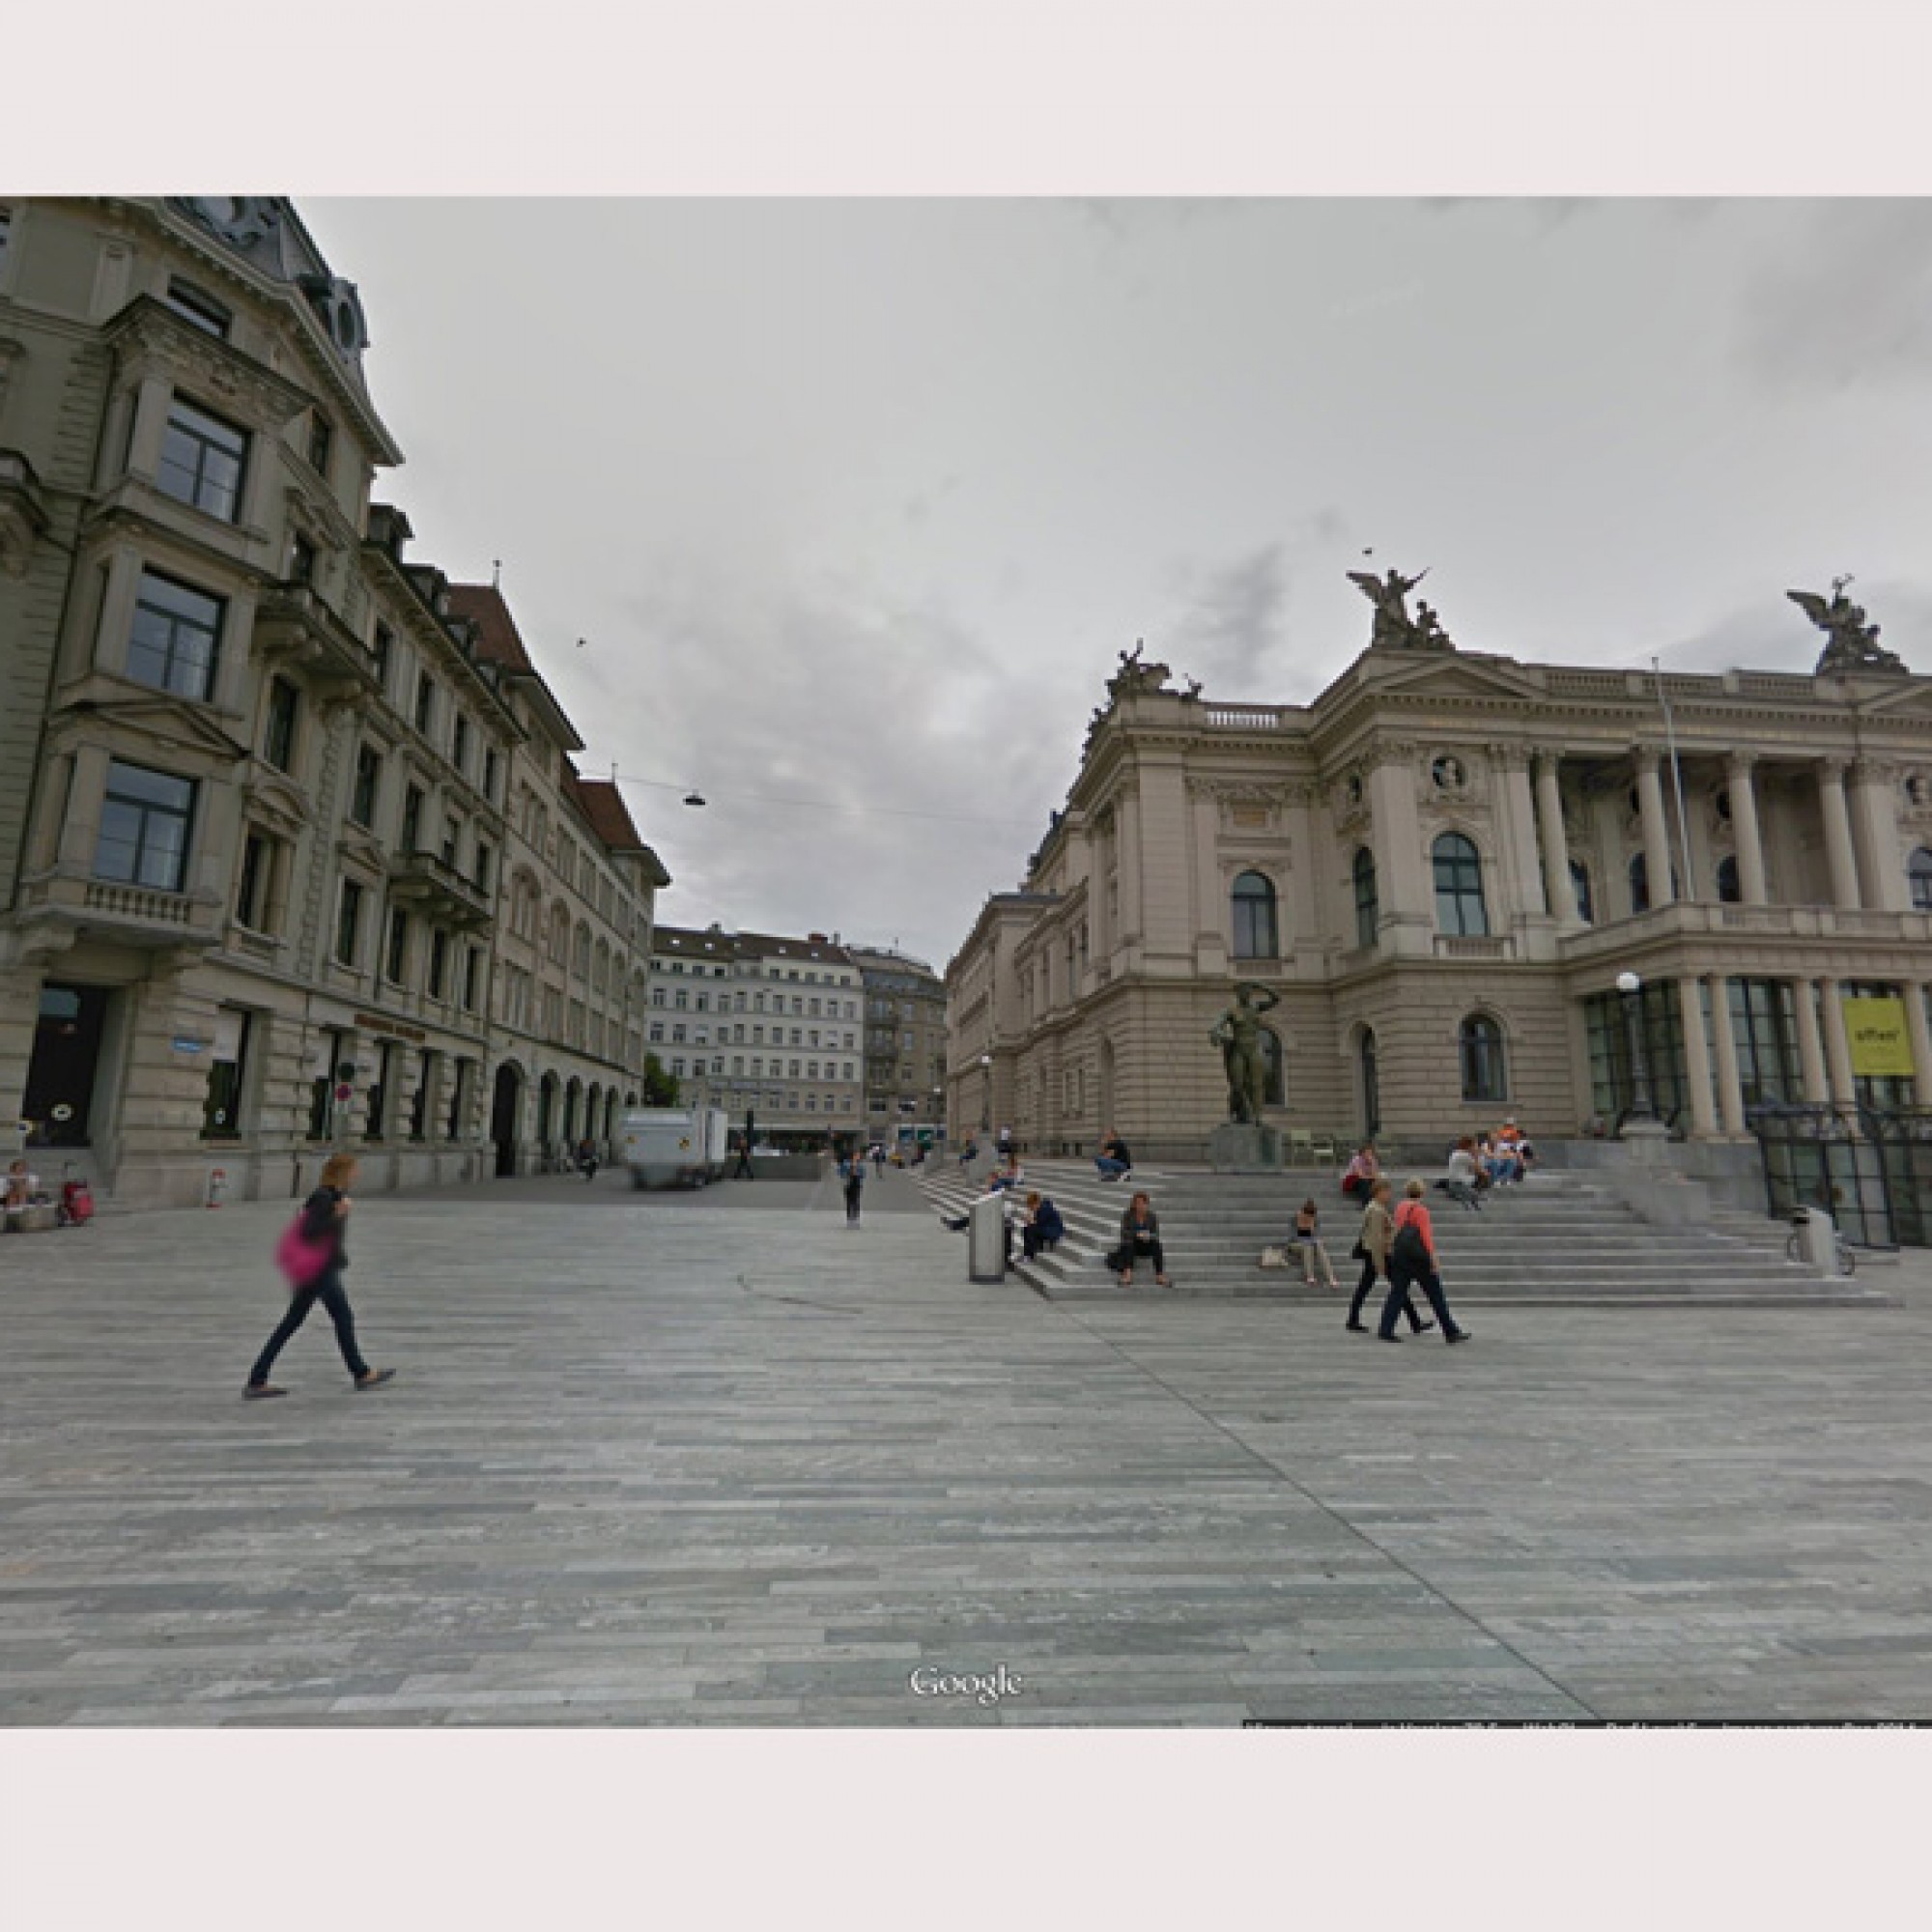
column 266, row 779
column 1440, row 866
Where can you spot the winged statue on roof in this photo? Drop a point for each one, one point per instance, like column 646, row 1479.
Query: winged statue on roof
column 1389, row 594
column 1850, row 642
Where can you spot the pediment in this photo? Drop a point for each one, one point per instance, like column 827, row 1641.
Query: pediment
column 172, row 722
column 1906, row 699
column 1458, row 675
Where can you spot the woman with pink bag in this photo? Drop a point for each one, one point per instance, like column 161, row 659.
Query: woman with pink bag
column 312, row 1255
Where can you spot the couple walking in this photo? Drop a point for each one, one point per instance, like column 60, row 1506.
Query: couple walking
column 1400, row 1244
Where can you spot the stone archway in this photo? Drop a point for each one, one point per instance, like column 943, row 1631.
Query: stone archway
column 573, row 1095
column 593, row 1109
column 506, row 1110
column 547, row 1097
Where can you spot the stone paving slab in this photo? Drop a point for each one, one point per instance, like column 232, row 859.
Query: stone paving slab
column 686, row 1459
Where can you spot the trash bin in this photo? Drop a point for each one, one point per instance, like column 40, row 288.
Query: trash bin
column 1817, row 1239
column 986, row 1239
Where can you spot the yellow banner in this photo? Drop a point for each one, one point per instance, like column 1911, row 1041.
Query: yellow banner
column 1880, row 1042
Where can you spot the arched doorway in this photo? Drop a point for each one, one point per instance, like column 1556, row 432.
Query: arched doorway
column 1371, row 1081
column 610, row 1117
column 592, row 1112
column 572, row 1095
column 546, row 1115
column 506, row 1111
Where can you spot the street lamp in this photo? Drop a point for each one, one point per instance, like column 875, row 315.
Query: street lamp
column 1640, row 1106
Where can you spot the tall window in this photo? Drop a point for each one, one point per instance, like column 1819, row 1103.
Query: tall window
column 382, row 648
column 380, row 1091
column 301, row 559
column 1367, row 912
column 489, row 774
column 413, row 807
column 278, row 739
column 1579, row 884
column 321, row 438
column 347, row 922
column 1730, row 892
column 472, row 966
column 459, row 1099
column 1639, row 884
column 1764, row 1022
column 1921, row 875
column 176, row 632
column 1458, row 887
column 144, row 828
column 1255, row 936
column 397, row 957
column 459, row 744
column 1480, row 1050
column 425, row 702
column 439, row 962
column 202, row 460
column 368, row 782
column 228, row 1064
column 258, row 885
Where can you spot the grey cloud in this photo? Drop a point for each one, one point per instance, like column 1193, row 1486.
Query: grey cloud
column 1231, row 625
column 1847, row 302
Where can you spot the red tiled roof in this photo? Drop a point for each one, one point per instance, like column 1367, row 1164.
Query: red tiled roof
column 607, row 814
column 497, row 637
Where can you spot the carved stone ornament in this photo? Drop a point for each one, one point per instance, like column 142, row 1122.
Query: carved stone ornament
column 1137, row 678
column 1918, row 787
column 1853, row 644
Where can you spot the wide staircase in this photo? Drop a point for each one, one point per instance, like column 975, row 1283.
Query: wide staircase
column 1557, row 1239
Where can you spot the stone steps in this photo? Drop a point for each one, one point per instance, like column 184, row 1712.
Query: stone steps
column 1557, row 1240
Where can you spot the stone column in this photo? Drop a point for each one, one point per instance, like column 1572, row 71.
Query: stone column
column 1127, row 845
column 107, row 648
column 80, row 829
column 1211, row 936
column 1696, row 1056
column 1875, row 791
column 1811, row 1051
column 1560, row 888
column 1837, row 1044
column 1744, row 825
column 1838, row 852
column 1401, row 876
column 1512, row 761
column 1920, row 1036
column 1646, row 759
column 151, row 422
column 1731, row 1087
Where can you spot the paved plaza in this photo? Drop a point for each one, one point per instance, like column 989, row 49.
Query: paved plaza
column 714, row 1458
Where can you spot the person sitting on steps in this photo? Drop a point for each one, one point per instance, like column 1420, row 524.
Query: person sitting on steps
column 1139, row 1236
column 1113, row 1162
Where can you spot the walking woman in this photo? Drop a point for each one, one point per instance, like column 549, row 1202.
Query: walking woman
column 1412, row 1260
column 1140, row 1234
column 325, row 1224
column 1307, row 1245
column 1372, row 1245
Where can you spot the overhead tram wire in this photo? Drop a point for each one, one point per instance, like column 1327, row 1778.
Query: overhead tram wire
column 823, row 804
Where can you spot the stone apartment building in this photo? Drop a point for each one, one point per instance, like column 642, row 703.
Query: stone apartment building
column 760, row 1022
column 1441, row 867
column 905, row 1044
column 255, row 763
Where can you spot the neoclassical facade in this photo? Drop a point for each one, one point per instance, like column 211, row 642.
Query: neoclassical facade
column 1441, row 865
column 259, row 769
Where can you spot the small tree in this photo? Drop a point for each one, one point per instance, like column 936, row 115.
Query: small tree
column 660, row 1087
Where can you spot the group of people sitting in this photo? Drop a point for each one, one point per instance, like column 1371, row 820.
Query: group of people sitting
column 1477, row 1164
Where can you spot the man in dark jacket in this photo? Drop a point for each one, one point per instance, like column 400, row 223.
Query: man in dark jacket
column 1112, row 1160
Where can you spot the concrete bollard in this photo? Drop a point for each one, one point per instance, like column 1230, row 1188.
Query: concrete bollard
column 986, row 1239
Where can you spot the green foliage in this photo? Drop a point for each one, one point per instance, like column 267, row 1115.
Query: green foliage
column 660, row 1087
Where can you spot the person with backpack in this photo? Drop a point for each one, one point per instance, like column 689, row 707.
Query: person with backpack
column 1372, row 1250
column 312, row 1255
column 855, row 1186
column 1412, row 1259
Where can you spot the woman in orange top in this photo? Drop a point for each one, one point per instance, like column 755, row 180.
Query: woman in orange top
column 1412, row 1260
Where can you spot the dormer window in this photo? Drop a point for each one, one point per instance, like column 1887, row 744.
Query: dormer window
column 190, row 304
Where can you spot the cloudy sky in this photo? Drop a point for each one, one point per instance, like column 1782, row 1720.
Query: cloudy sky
column 854, row 504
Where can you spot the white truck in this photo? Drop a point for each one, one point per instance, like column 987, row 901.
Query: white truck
column 674, row 1147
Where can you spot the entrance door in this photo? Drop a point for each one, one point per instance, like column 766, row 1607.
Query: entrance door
column 60, row 1076
column 503, row 1112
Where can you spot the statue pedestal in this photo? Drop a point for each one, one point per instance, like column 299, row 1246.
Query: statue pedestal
column 1237, row 1147
column 1647, row 1142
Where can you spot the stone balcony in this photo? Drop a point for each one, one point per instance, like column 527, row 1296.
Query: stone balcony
column 294, row 623
column 1736, row 930
column 125, row 914
column 430, row 885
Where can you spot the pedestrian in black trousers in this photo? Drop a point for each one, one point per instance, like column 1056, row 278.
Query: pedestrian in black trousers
column 325, row 1221
column 855, row 1186
column 1372, row 1245
column 1412, row 1260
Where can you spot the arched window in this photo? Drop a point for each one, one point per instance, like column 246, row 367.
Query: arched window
column 1640, row 878
column 1458, row 887
column 1367, row 912
column 1255, row 936
column 1921, row 873
column 1480, row 1049
column 1274, row 1082
column 1730, row 892
column 1579, row 884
